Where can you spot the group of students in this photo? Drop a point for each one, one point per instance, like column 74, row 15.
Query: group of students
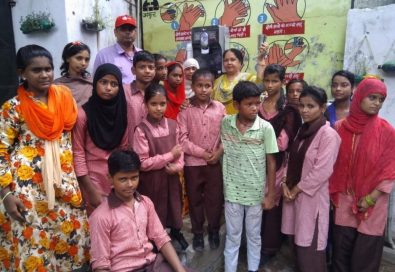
column 268, row 158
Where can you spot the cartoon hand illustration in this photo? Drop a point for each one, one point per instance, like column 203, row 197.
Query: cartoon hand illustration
column 190, row 15
column 277, row 55
column 284, row 11
column 233, row 12
column 168, row 16
column 181, row 55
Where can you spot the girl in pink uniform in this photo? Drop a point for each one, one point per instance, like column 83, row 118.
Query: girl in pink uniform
column 362, row 181
column 306, row 193
column 156, row 143
column 101, row 127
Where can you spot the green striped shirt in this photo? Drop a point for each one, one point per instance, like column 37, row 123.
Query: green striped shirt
column 244, row 160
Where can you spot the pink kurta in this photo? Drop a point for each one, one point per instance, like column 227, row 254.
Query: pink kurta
column 141, row 147
column 375, row 223
column 136, row 108
column 88, row 158
column 282, row 143
column 200, row 129
column 299, row 216
column 120, row 234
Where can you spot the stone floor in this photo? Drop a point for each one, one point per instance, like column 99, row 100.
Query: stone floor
column 212, row 260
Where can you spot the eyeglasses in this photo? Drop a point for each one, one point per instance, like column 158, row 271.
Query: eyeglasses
column 105, row 82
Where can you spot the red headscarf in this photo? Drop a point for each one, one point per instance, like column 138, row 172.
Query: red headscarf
column 175, row 97
column 373, row 159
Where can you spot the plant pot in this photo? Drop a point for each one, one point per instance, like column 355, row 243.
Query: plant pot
column 92, row 26
column 36, row 26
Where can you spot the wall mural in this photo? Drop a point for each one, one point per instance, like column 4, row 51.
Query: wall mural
column 305, row 36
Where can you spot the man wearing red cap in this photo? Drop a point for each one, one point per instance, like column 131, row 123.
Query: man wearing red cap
column 122, row 52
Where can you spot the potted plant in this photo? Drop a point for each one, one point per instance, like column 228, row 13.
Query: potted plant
column 95, row 22
column 40, row 21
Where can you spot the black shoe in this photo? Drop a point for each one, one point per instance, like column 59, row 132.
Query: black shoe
column 177, row 235
column 198, row 242
column 213, row 238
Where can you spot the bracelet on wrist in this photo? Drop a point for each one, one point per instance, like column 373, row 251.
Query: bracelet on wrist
column 6, row 195
column 369, row 200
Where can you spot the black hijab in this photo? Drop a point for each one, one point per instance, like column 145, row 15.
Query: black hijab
column 107, row 119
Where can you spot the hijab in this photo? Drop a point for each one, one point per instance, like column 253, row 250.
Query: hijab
column 367, row 151
column 107, row 119
column 175, row 97
column 191, row 62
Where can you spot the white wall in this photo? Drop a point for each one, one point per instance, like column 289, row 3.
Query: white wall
column 53, row 40
column 370, row 41
column 68, row 15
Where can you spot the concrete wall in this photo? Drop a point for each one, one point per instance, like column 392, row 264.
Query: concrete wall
column 53, row 40
column 372, row 3
column 68, row 15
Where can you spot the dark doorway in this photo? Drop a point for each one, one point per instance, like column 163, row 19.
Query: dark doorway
column 8, row 75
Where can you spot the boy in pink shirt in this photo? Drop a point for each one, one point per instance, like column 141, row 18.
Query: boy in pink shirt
column 125, row 223
column 144, row 71
column 200, row 126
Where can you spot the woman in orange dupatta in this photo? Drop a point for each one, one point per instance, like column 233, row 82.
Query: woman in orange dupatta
column 44, row 226
column 362, row 179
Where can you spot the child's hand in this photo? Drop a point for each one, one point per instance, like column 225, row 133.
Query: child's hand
column 185, row 104
column 295, row 191
column 207, row 156
column 176, row 151
column 171, row 169
column 215, row 156
column 286, row 193
column 268, row 202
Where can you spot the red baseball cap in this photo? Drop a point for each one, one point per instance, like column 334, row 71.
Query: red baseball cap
column 125, row 20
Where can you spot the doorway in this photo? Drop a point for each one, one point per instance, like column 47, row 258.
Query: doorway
column 8, row 74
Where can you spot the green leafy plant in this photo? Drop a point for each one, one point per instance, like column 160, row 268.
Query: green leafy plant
column 95, row 22
column 40, row 21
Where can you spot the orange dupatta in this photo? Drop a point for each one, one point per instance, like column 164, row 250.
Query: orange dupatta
column 49, row 123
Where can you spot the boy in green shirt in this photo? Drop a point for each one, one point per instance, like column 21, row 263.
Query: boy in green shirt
column 249, row 143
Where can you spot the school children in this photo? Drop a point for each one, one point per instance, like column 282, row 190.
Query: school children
column 156, row 142
column 293, row 89
column 362, row 181
column 200, row 126
column 161, row 69
column 175, row 89
column 342, row 87
column 101, row 126
column 249, row 143
column 124, row 225
column 286, row 122
column 144, row 71
column 190, row 66
column 305, row 213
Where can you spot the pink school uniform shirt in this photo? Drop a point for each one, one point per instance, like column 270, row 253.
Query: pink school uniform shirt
column 88, row 158
column 200, row 128
column 141, row 147
column 120, row 234
column 299, row 216
column 282, row 143
column 136, row 108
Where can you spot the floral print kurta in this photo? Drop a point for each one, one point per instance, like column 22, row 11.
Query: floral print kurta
column 50, row 240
